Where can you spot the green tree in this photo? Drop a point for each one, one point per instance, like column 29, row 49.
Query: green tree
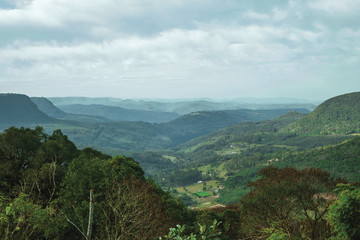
column 204, row 232
column 18, row 148
column 344, row 213
column 20, row 218
column 127, row 205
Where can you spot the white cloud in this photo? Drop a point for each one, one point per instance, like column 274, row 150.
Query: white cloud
column 336, row 6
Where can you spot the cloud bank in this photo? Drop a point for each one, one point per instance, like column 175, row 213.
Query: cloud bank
column 182, row 49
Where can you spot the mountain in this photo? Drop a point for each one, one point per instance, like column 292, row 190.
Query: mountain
column 337, row 115
column 260, row 115
column 48, row 107
column 183, row 107
column 118, row 113
column 51, row 110
column 16, row 109
column 241, row 132
column 196, row 124
column 200, row 123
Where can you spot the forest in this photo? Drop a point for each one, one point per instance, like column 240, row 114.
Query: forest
column 50, row 189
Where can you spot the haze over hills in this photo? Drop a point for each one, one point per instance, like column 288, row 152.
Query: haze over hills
column 17, row 109
column 49, row 109
column 187, row 106
column 101, row 132
column 115, row 113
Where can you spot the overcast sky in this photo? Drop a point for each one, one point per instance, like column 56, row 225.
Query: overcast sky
column 180, row 48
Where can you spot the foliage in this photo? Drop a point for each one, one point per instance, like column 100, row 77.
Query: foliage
column 45, row 183
column 344, row 213
column 296, row 200
column 134, row 211
column 205, row 232
column 20, row 218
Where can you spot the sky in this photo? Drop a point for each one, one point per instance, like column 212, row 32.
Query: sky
column 180, row 48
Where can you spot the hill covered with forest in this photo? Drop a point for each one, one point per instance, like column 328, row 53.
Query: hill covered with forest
column 337, row 115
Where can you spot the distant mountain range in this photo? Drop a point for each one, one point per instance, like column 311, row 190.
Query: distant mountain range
column 117, row 128
column 183, row 107
column 104, row 126
column 115, row 113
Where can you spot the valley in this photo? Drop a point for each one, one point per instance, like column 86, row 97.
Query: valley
column 202, row 161
column 226, row 146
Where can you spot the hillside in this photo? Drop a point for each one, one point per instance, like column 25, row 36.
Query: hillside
column 115, row 113
column 47, row 107
column 19, row 109
column 233, row 155
column 338, row 115
column 51, row 110
column 242, row 132
column 342, row 160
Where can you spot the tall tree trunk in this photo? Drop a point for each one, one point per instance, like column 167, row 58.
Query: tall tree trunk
column 91, row 215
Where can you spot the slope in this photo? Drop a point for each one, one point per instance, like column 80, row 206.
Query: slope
column 342, row 160
column 338, row 115
column 18, row 109
column 48, row 108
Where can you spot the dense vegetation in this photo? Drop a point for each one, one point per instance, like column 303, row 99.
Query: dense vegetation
column 338, row 115
column 45, row 184
column 50, row 190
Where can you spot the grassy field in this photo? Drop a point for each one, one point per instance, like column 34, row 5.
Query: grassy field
column 203, row 193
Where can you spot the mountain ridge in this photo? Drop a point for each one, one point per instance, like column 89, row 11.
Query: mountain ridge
column 18, row 109
column 337, row 115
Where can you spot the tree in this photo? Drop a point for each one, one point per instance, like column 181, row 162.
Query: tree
column 133, row 210
column 20, row 218
column 290, row 200
column 126, row 204
column 205, row 232
column 18, row 148
column 43, row 175
column 344, row 213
